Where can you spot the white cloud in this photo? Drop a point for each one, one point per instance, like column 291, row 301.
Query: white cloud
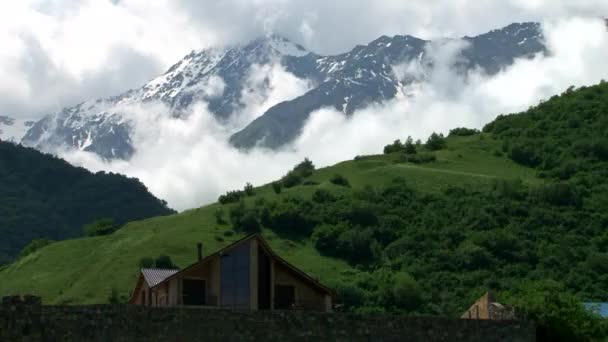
column 54, row 54
column 188, row 162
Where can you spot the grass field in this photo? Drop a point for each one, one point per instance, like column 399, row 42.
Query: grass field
column 85, row 270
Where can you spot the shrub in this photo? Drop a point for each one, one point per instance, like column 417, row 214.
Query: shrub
column 340, row 180
column 291, row 179
column 559, row 316
column 436, row 142
column 248, row 189
column 525, row 155
column 277, row 187
column 406, row 292
column 34, row 246
column 305, row 168
column 146, row 262
column 323, row 196
column 164, row 261
column 463, row 131
column 219, row 216
column 421, row 158
column 105, row 226
column 231, row 197
column 396, row 146
column 409, row 147
column 114, row 298
column 325, row 238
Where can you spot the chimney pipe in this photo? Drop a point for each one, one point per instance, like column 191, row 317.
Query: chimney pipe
column 199, row 246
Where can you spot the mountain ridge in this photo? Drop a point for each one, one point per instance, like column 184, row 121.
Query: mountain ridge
column 218, row 76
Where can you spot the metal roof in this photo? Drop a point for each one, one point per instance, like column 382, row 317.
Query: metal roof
column 154, row 276
column 598, row 308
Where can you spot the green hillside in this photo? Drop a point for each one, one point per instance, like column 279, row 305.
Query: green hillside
column 85, row 270
column 427, row 228
column 44, row 197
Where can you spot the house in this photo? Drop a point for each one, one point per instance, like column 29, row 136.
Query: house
column 486, row 307
column 247, row 274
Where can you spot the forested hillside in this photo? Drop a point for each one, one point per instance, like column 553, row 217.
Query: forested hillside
column 520, row 208
column 43, row 197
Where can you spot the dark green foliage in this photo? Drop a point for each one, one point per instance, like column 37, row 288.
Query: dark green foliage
column 115, row 298
column 101, row 227
column 277, row 187
column 34, row 246
column 291, row 179
column 146, row 262
column 559, row 315
column 219, row 216
column 463, row 132
column 42, row 196
column 396, row 146
column 421, row 158
column 231, row 196
column 340, row 180
column 409, row 147
column 436, row 142
column 305, row 168
column 300, row 171
column 248, row 189
column 244, row 219
column 164, row 261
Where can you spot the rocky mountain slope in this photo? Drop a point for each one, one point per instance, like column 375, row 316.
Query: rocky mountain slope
column 219, row 76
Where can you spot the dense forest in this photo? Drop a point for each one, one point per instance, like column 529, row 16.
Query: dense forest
column 43, row 197
column 537, row 244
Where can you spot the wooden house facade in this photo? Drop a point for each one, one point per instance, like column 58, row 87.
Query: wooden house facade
column 245, row 275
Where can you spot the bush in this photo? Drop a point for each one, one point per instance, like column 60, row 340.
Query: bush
column 291, row 179
column 436, row 142
column 406, row 292
column 525, row 155
column 164, row 261
column 323, row 196
column 305, row 168
column 409, row 147
column 421, row 158
column 34, row 246
column 558, row 315
column 463, row 131
column 395, row 147
column 146, row 262
column 105, row 226
column 248, row 189
column 340, row 180
column 219, row 216
column 277, row 187
column 231, row 197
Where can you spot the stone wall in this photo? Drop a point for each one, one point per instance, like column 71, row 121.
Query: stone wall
column 27, row 320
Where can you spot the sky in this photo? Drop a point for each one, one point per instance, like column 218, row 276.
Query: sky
column 55, row 53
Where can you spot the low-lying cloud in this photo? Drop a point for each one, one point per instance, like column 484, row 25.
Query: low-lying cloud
column 188, row 162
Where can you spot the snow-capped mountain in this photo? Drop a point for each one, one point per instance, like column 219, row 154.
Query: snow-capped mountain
column 218, row 76
column 13, row 130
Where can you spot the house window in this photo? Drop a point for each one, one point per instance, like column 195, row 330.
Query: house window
column 193, row 292
column 284, row 297
column 235, row 277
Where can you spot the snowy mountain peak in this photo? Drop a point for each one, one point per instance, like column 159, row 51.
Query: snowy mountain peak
column 221, row 78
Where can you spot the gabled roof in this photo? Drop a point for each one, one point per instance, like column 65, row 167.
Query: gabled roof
column 154, row 276
column 268, row 250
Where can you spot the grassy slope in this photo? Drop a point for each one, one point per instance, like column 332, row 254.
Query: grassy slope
column 85, row 270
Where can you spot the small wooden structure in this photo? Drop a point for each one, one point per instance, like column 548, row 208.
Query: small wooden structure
column 486, row 307
column 244, row 275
